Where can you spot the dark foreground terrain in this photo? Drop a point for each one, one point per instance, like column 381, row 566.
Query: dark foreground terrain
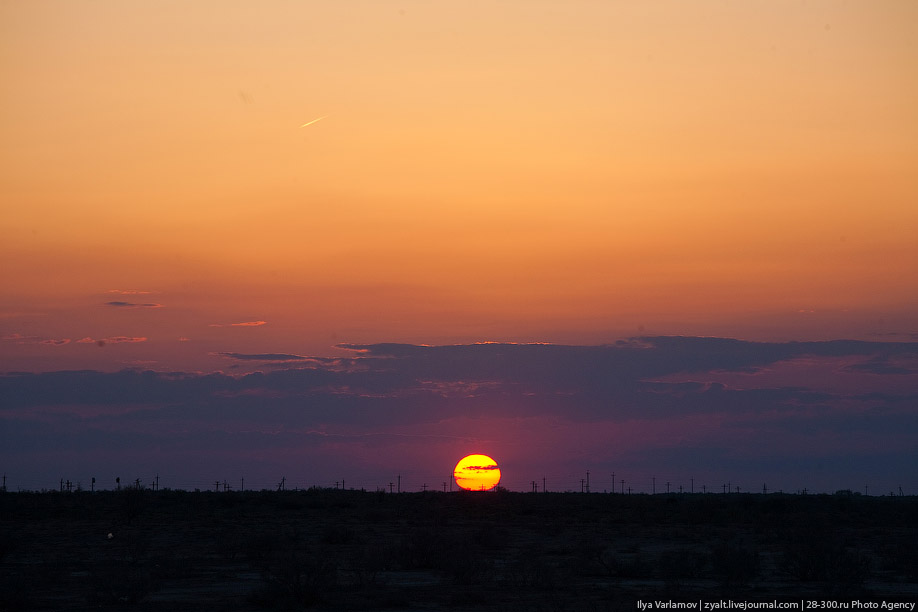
column 354, row 550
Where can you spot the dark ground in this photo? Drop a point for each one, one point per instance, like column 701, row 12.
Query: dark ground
column 353, row 550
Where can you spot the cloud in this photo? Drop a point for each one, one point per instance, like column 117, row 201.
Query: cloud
column 111, row 340
column 264, row 356
column 128, row 292
column 881, row 364
column 20, row 339
column 243, row 324
column 636, row 405
column 119, row 304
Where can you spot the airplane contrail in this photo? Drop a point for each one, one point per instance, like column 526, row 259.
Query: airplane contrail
column 313, row 121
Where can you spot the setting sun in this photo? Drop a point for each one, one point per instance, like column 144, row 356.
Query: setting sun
column 477, row 473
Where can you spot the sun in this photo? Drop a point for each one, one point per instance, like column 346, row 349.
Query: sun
column 477, row 473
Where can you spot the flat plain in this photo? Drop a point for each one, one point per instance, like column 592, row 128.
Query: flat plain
column 327, row 549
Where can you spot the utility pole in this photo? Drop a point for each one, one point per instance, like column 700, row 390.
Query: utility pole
column 693, row 485
column 623, row 486
column 613, row 482
column 581, row 485
column 653, row 489
column 544, row 490
column 399, row 483
column 667, row 487
column 764, row 489
column 588, row 481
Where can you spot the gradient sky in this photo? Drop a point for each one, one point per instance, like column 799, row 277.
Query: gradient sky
column 568, row 173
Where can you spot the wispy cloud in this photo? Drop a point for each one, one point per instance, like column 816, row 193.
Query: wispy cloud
column 263, row 356
column 243, row 324
column 128, row 292
column 119, row 304
column 112, row 340
column 21, row 339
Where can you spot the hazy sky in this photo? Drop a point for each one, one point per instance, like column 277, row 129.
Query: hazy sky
column 573, row 173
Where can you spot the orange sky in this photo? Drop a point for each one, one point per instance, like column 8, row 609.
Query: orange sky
column 553, row 171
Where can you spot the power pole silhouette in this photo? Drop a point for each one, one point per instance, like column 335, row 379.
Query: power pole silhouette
column 399, row 483
column 613, row 482
column 581, row 485
column 667, row 487
column 623, row 486
column 588, row 482
column 764, row 489
column 693, row 485
column 653, row 486
column 544, row 490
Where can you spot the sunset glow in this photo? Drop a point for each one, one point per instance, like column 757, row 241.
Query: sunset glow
column 615, row 230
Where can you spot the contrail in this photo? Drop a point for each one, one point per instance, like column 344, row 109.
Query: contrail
column 313, row 121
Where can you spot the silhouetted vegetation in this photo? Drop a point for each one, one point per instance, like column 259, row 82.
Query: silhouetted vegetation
column 336, row 549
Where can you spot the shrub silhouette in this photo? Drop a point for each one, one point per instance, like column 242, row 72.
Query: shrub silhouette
column 735, row 563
